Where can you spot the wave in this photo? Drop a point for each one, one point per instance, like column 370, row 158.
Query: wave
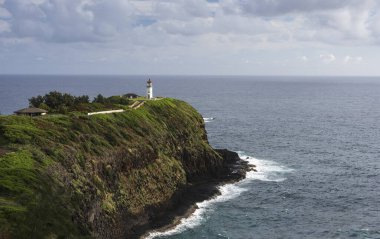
column 207, row 120
column 266, row 170
column 228, row 191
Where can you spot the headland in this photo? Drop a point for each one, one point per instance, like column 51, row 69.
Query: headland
column 114, row 175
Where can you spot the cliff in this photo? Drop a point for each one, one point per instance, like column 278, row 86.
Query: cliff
column 103, row 176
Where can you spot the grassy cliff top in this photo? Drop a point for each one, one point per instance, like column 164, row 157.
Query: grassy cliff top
column 67, row 174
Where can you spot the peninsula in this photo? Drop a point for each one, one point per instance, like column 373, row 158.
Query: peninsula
column 115, row 175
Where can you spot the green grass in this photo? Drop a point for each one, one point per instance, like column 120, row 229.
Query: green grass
column 60, row 166
column 139, row 98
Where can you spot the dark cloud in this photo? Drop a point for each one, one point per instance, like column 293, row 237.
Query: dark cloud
column 139, row 21
column 280, row 7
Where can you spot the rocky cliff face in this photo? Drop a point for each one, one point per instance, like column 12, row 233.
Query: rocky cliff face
column 101, row 176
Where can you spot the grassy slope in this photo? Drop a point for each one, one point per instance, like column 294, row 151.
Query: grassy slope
column 91, row 175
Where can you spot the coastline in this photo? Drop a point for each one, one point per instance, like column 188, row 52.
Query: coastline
column 185, row 203
column 114, row 176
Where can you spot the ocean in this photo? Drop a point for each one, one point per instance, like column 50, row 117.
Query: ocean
column 315, row 141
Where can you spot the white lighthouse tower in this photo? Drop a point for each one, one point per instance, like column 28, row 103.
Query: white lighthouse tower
column 149, row 89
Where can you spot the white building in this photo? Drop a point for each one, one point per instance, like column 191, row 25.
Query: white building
column 149, row 89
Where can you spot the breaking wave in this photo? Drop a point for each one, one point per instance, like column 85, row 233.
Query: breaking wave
column 265, row 170
column 207, row 120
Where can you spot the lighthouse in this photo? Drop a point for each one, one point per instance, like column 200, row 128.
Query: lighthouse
column 149, row 89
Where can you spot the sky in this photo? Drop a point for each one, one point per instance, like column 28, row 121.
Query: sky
column 196, row 37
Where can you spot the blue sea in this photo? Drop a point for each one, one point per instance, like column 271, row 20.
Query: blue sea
column 315, row 142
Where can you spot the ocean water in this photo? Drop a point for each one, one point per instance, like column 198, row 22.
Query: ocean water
column 315, row 141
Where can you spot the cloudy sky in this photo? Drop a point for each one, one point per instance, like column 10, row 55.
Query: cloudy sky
column 238, row 37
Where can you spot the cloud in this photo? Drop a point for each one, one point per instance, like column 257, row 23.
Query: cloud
column 223, row 31
column 327, row 58
column 281, row 7
column 275, row 21
column 4, row 26
column 4, row 13
column 353, row 59
column 68, row 20
column 303, row 58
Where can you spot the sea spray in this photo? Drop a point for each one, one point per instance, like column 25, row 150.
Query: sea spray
column 266, row 170
column 208, row 120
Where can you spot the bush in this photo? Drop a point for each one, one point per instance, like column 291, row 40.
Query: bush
column 120, row 100
column 63, row 103
column 58, row 102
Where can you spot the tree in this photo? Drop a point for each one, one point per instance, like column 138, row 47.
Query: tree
column 82, row 99
column 99, row 99
column 54, row 99
column 68, row 100
column 58, row 102
column 36, row 101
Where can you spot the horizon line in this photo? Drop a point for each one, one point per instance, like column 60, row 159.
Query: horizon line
column 210, row 75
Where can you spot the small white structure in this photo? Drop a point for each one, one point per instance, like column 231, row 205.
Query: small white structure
column 149, row 89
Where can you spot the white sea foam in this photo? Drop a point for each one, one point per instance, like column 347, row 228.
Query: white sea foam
column 207, row 120
column 228, row 191
column 266, row 171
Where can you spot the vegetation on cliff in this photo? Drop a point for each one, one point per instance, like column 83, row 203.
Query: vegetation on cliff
column 63, row 103
column 99, row 176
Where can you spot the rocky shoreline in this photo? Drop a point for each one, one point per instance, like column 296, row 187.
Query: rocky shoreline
column 183, row 204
